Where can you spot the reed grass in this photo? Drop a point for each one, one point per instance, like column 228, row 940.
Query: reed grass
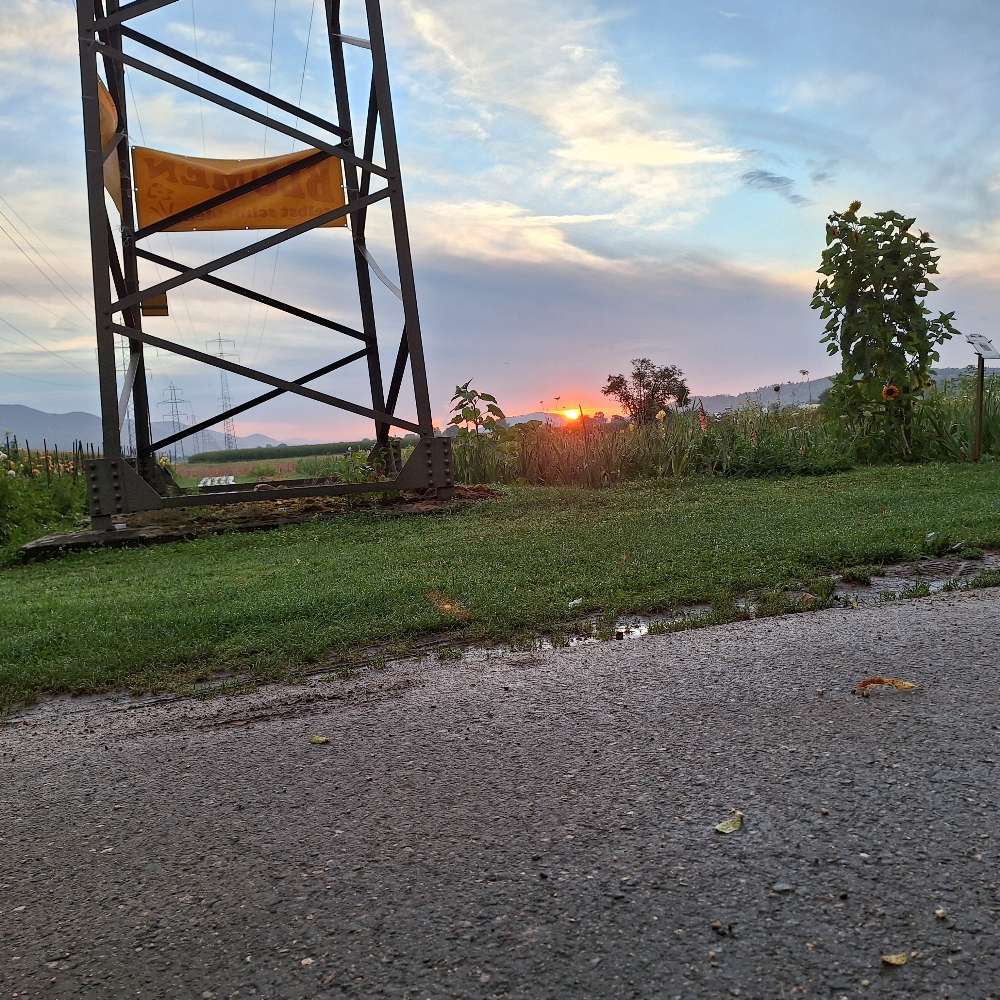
column 750, row 442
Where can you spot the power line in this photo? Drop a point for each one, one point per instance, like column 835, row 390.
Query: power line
column 277, row 251
column 267, row 107
column 27, row 257
column 48, row 350
column 36, row 303
column 39, row 238
column 40, row 381
column 270, row 65
column 201, row 107
column 170, row 247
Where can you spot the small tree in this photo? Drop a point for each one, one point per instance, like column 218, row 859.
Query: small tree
column 468, row 414
column 648, row 390
column 872, row 296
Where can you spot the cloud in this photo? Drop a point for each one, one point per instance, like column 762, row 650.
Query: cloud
column 502, row 231
column 725, row 61
column 204, row 36
column 44, row 27
column 821, row 172
column 546, row 70
column 831, row 88
column 764, row 180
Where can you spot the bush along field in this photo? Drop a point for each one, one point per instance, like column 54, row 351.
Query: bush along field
column 40, row 493
column 751, row 442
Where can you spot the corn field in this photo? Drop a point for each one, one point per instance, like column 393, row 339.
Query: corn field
column 17, row 459
column 750, row 442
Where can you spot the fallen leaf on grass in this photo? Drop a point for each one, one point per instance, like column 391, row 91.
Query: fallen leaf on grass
column 448, row 605
column 899, row 959
column 576, row 602
column 732, row 825
column 865, row 686
column 319, row 741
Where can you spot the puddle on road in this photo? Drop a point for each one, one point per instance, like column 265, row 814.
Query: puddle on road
column 590, row 632
column 937, row 575
column 889, row 582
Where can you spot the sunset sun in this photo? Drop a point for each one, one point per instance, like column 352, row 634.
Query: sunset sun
column 573, row 414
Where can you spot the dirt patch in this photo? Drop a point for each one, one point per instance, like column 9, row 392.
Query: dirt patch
column 259, row 514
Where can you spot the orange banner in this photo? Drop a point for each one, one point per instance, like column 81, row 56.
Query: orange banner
column 109, row 126
column 166, row 183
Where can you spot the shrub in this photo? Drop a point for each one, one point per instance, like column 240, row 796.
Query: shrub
column 30, row 507
column 872, row 296
column 352, row 467
column 748, row 442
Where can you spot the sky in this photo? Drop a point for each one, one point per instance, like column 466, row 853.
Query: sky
column 586, row 184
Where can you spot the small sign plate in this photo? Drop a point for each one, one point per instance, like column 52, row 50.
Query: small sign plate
column 982, row 345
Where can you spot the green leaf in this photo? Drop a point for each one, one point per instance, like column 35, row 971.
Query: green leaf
column 732, row 825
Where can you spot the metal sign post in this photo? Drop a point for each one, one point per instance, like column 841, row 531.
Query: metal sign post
column 118, row 485
column 984, row 349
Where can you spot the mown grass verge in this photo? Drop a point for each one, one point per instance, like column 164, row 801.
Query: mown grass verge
column 269, row 605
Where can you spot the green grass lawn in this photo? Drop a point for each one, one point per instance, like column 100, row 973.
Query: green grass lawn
column 269, row 603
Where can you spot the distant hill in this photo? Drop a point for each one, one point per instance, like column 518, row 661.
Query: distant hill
column 552, row 419
column 556, row 419
column 790, row 394
column 60, row 430
column 796, row 393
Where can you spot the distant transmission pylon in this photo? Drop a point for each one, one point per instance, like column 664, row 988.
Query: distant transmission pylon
column 198, row 441
column 218, row 347
column 175, row 405
column 121, row 368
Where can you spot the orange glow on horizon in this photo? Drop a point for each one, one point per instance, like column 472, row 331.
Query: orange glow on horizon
column 573, row 414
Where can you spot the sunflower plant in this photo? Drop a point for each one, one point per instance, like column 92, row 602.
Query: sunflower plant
column 468, row 414
column 876, row 276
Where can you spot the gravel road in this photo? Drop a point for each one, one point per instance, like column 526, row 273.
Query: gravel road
column 539, row 825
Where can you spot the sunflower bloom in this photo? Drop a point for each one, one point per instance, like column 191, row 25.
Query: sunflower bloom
column 891, row 392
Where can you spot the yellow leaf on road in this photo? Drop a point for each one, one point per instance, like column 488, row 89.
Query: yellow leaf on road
column 898, row 959
column 732, row 825
column 319, row 741
column 866, row 685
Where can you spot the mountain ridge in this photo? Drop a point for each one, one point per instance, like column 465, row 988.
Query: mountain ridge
column 62, row 430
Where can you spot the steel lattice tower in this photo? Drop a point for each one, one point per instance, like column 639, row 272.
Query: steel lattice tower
column 225, row 400
column 123, row 296
column 173, row 402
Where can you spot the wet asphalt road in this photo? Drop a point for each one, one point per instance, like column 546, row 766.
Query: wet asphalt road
column 539, row 826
